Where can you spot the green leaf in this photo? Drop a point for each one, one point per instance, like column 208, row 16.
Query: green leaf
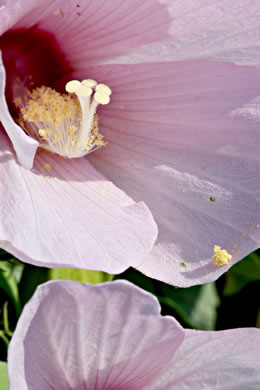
column 204, row 312
column 32, row 276
column 8, row 283
column 80, row 275
column 184, row 297
column 5, row 320
column 195, row 307
column 3, row 376
column 138, row 279
column 178, row 311
column 5, row 255
column 241, row 274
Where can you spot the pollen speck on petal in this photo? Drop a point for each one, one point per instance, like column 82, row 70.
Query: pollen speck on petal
column 221, row 256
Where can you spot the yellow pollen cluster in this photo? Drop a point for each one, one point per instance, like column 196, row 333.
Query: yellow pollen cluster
column 221, row 256
column 66, row 124
column 18, row 101
column 48, row 106
column 47, row 167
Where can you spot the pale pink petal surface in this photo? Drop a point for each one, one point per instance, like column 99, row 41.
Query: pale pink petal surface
column 223, row 360
column 3, row 2
column 111, row 336
column 149, row 31
column 65, row 213
column 224, row 30
column 184, row 137
column 108, row 336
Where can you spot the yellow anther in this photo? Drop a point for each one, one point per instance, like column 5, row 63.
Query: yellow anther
column 101, row 98
column 72, row 86
column 89, row 83
column 221, row 256
column 42, row 133
column 103, row 88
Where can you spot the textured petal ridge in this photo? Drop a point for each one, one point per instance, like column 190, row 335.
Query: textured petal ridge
column 189, row 148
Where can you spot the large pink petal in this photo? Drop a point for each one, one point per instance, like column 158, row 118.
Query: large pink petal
column 3, row 2
column 64, row 213
column 223, row 30
column 184, row 137
column 149, row 31
column 100, row 29
column 227, row 360
column 25, row 147
column 89, row 30
column 96, row 337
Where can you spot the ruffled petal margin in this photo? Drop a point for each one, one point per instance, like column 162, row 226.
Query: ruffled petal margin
column 105, row 336
column 64, row 213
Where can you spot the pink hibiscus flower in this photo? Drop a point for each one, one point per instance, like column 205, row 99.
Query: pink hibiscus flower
column 182, row 133
column 111, row 336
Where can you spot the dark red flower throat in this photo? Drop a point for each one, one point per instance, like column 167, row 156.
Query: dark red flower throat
column 32, row 58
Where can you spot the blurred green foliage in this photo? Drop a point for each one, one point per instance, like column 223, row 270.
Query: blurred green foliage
column 242, row 273
column 9, row 277
column 3, row 376
column 80, row 275
column 193, row 307
column 232, row 301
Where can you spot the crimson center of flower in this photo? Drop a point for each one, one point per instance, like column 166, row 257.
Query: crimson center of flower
column 65, row 124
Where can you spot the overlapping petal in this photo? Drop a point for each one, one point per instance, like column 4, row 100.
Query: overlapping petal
column 214, row 360
column 25, row 146
column 184, row 138
column 96, row 337
column 64, row 213
column 112, row 336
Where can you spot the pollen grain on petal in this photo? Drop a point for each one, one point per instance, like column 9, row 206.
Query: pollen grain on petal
column 18, row 101
column 47, row 166
column 221, row 256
